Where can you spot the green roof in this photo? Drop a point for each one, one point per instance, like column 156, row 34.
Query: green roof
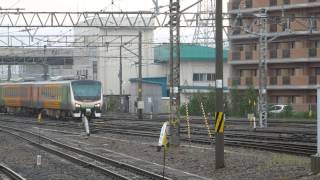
column 188, row 52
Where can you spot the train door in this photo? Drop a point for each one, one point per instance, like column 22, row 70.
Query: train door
column 35, row 99
column 30, row 96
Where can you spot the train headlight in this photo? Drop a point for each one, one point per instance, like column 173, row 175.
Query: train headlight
column 97, row 105
column 77, row 105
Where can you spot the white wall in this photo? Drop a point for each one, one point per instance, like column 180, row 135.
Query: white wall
column 187, row 68
column 108, row 56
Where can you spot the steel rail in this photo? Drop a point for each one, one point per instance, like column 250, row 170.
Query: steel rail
column 118, row 164
column 10, row 173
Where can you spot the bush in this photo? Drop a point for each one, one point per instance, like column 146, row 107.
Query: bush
column 208, row 100
column 242, row 103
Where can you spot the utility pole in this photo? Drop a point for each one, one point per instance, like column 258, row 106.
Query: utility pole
column 174, row 120
column 140, row 102
column 263, row 41
column 219, row 127
column 120, row 68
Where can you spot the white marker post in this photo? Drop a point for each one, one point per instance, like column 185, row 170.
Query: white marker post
column 315, row 159
column 86, row 125
column 163, row 141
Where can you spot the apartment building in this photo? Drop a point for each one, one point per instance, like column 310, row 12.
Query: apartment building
column 293, row 50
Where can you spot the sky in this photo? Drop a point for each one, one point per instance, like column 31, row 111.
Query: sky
column 161, row 35
column 89, row 5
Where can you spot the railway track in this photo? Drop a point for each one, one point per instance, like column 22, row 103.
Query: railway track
column 261, row 134
column 7, row 173
column 305, row 149
column 198, row 119
column 293, row 142
column 119, row 170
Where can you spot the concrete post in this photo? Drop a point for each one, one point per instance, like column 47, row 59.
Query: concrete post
column 315, row 159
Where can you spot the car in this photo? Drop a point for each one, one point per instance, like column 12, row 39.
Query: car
column 279, row 108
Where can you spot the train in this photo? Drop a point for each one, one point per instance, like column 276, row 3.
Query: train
column 57, row 99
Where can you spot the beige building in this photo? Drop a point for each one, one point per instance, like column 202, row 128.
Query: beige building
column 293, row 54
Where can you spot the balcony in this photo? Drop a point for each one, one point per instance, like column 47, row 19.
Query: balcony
column 273, row 27
column 273, row 2
column 241, row 55
column 312, row 80
column 294, row 82
column 234, row 81
column 256, row 4
column 286, row 53
column 236, row 55
column 243, row 81
column 273, row 80
column 286, row 2
column 248, row 55
column 286, row 80
column 249, row 81
column 312, row 52
column 273, row 54
column 276, row 55
column 248, row 3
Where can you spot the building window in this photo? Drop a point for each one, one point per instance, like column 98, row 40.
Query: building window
column 195, row 77
column 273, row 2
column 292, row 44
column 211, row 77
column 317, row 70
column 203, row 77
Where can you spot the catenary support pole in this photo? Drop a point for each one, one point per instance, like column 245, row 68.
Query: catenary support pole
column 318, row 121
column 45, row 64
column 219, row 136
column 120, row 67
column 140, row 102
column 9, row 73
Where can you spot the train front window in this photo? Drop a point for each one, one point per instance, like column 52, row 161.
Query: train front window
column 86, row 90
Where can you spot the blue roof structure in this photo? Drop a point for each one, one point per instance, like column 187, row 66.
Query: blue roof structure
column 188, row 52
column 162, row 81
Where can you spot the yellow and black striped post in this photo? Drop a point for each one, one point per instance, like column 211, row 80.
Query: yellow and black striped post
column 206, row 121
column 188, row 122
column 219, row 126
